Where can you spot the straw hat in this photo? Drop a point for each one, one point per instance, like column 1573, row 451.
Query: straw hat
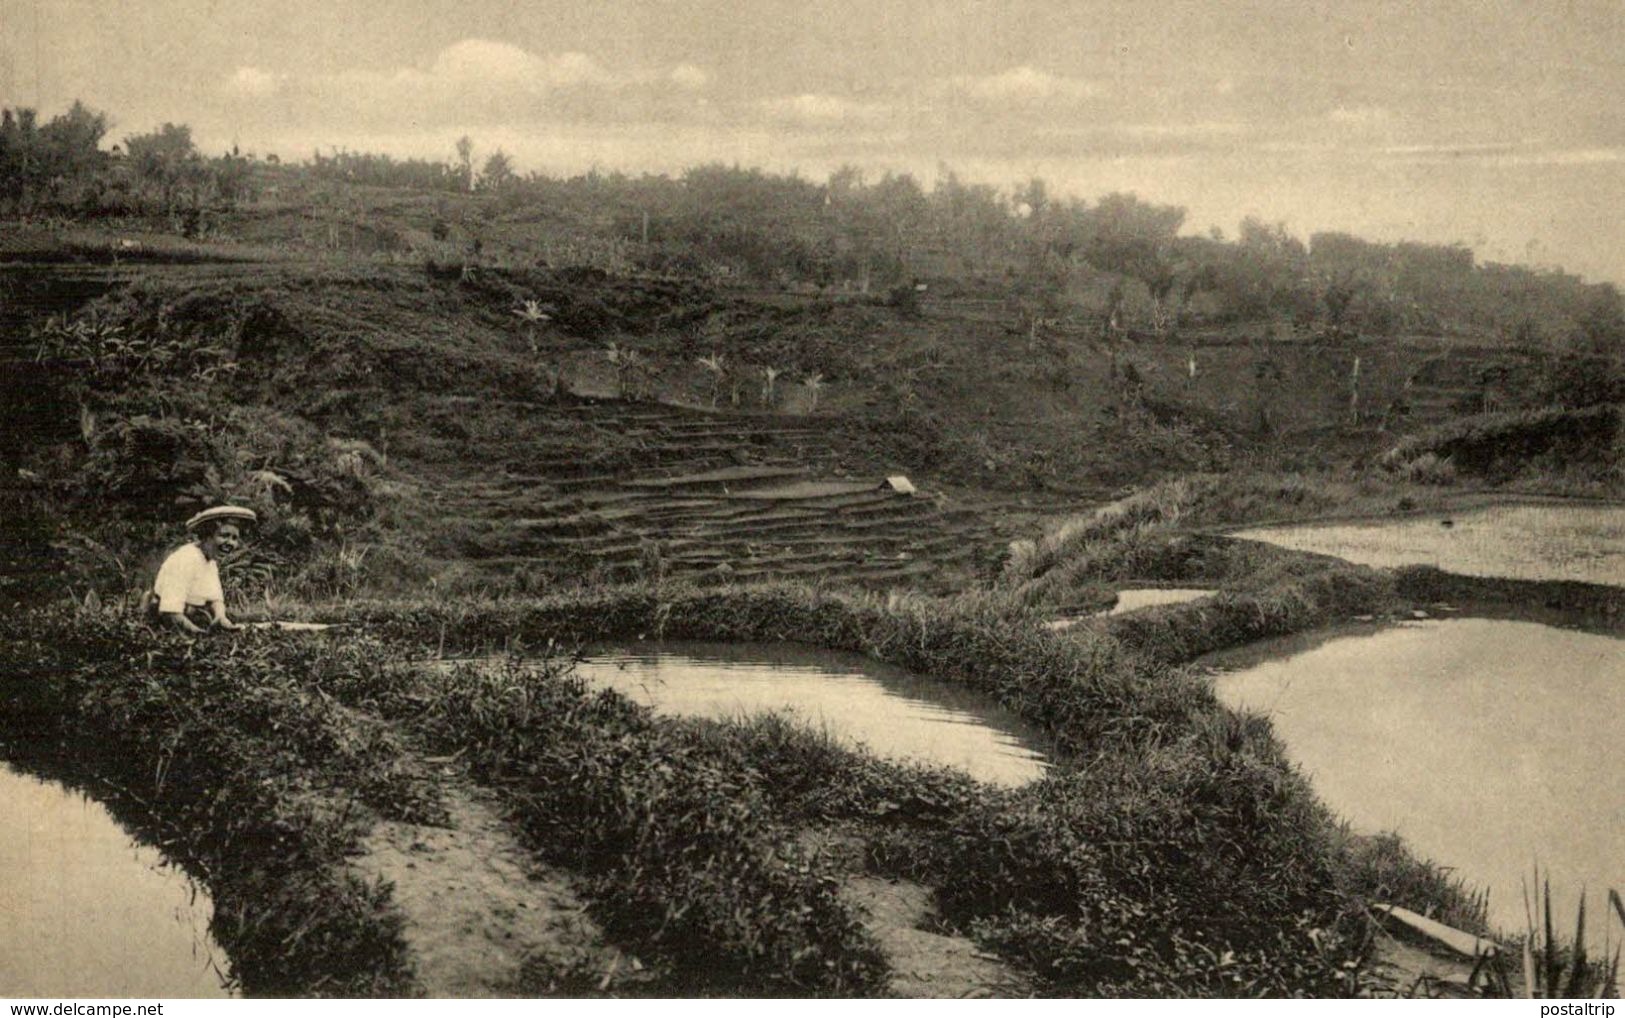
column 222, row 512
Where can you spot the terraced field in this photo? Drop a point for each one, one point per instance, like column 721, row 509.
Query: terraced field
column 621, row 486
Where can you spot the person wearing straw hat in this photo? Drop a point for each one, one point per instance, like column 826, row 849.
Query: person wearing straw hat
column 187, row 594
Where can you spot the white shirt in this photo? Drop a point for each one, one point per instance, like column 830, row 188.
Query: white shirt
column 187, row 577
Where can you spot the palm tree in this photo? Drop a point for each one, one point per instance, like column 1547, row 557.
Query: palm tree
column 717, row 367
column 770, row 376
column 815, row 384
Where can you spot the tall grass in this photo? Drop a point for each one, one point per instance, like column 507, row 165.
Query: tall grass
column 1174, row 851
column 685, row 864
column 1547, row 967
column 229, row 764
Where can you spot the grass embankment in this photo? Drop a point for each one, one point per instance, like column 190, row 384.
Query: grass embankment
column 1164, row 535
column 257, row 760
column 1594, row 605
column 1577, row 450
column 1175, row 851
column 226, row 758
column 1156, row 536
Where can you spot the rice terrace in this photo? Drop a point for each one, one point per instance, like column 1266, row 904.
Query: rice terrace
column 429, row 576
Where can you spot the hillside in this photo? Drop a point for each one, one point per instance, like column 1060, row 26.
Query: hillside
column 408, row 410
column 458, row 454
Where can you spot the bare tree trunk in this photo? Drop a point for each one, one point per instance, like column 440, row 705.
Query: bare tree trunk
column 1354, row 390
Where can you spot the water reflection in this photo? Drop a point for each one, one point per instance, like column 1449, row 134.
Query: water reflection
column 892, row 712
column 1526, row 542
column 1487, row 744
column 86, row 911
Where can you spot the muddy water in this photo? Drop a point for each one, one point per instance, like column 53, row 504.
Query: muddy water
column 1486, row 744
column 892, row 712
column 86, row 911
column 1526, row 542
column 1134, row 600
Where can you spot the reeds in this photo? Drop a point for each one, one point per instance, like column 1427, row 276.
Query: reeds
column 1548, row 967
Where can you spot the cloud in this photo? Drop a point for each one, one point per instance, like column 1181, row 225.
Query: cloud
column 484, row 62
column 470, row 83
column 1555, row 157
column 1022, row 84
column 1184, row 129
column 1360, row 116
column 690, row 77
column 817, row 110
column 251, row 82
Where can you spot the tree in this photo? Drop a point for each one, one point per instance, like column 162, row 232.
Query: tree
column 498, row 172
column 165, row 158
column 1264, row 271
column 717, row 367
column 815, row 385
column 72, row 142
column 1135, row 238
column 1601, row 321
column 35, row 158
column 1338, row 294
column 532, row 314
column 465, row 162
column 20, row 155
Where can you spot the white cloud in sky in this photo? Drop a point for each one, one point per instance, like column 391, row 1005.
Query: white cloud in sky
column 814, row 109
column 1360, row 116
column 483, row 61
column 252, row 82
column 470, row 83
column 690, row 77
column 1022, row 84
column 1558, row 157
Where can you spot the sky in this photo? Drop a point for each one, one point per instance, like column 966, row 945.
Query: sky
column 1495, row 123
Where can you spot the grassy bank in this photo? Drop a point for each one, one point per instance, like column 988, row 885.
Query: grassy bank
column 1174, row 849
column 1594, row 605
column 223, row 756
column 1582, row 447
column 1288, row 599
column 258, row 760
column 1171, row 534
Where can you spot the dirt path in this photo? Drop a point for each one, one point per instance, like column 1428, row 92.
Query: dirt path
column 482, row 917
column 926, row 964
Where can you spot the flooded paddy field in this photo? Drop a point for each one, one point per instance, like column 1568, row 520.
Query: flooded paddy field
column 88, row 911
column 1150, row 597
column 1489, row 745
column 1135, row 599
column 1518, row 541
column 890, row 711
